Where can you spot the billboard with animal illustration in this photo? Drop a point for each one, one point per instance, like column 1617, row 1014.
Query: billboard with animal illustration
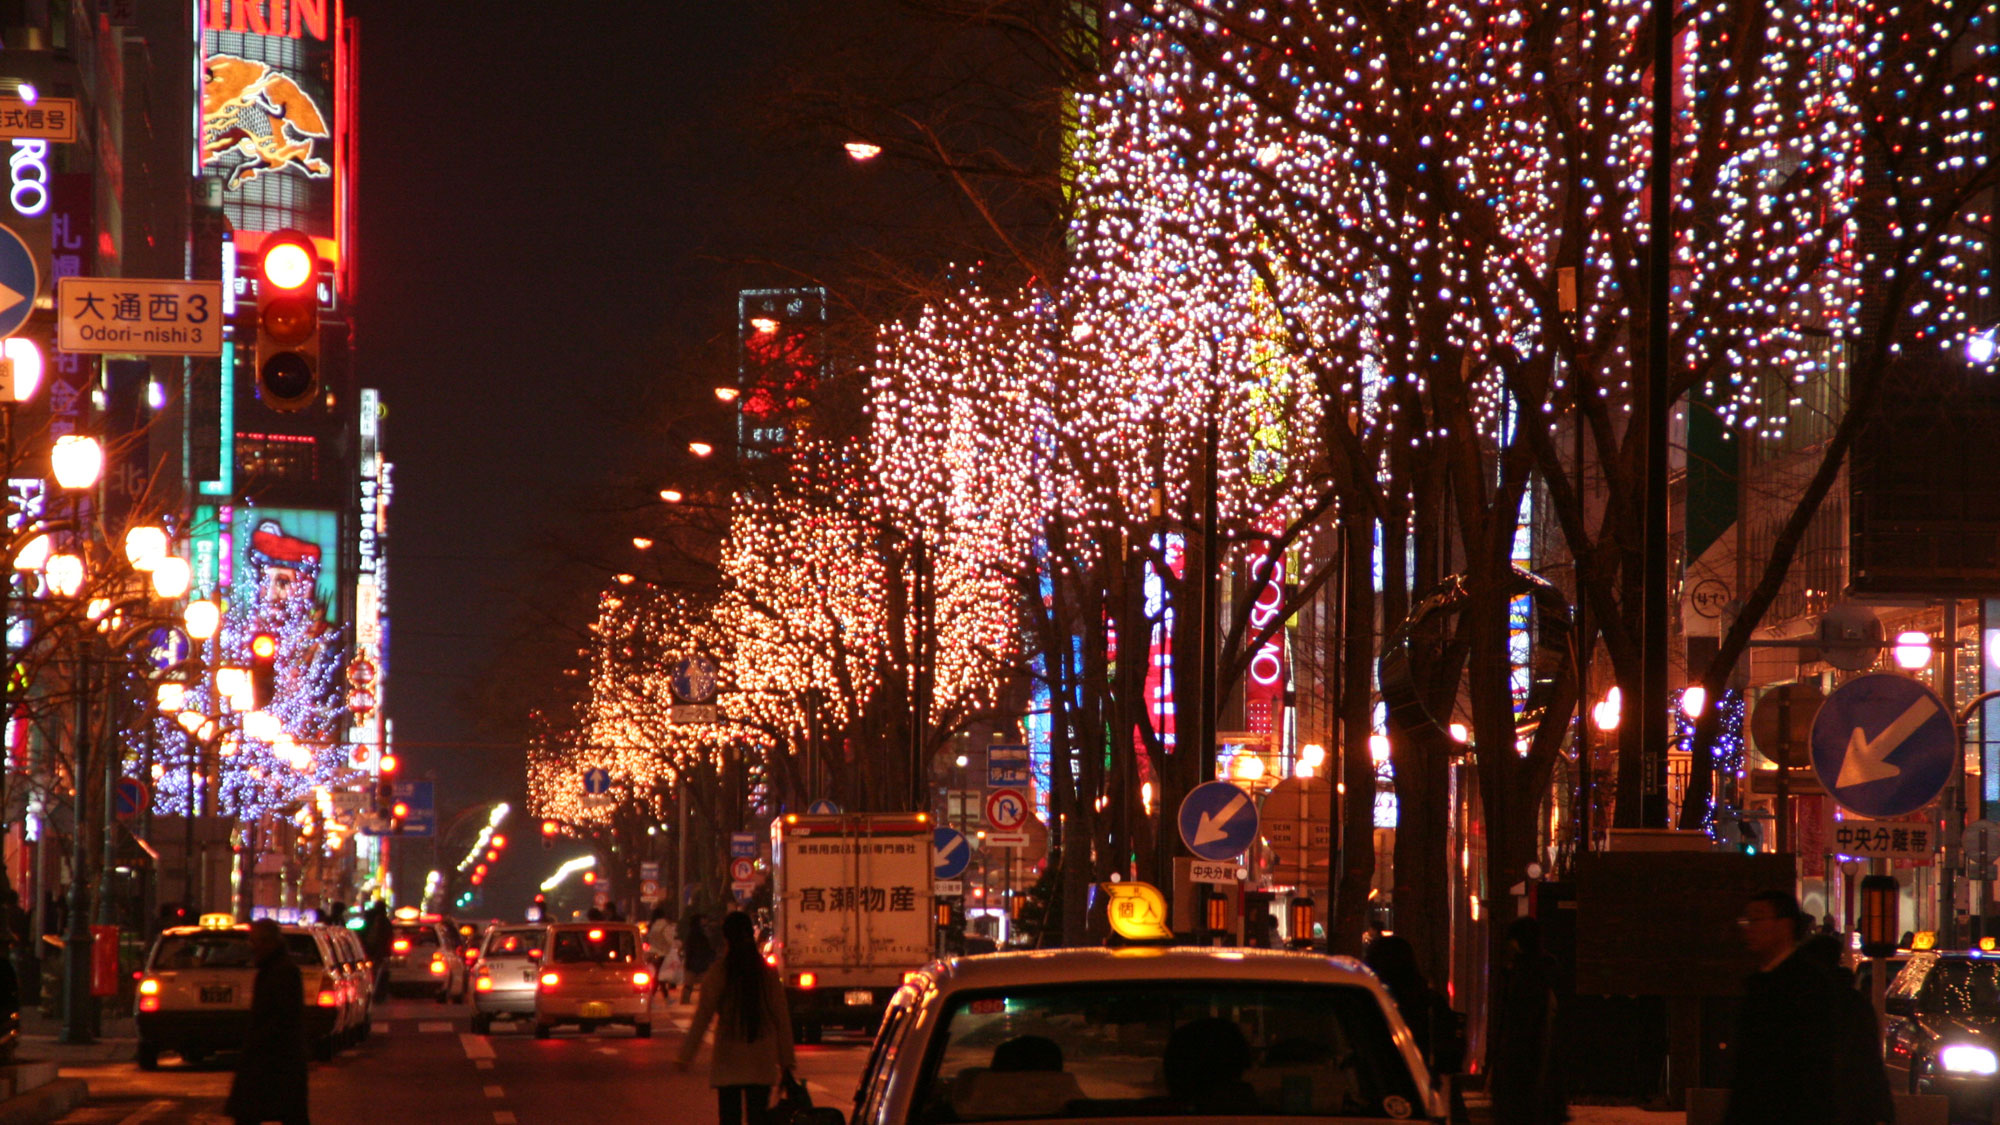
column 274, row 101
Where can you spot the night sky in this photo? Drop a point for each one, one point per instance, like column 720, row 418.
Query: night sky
column 556, row 207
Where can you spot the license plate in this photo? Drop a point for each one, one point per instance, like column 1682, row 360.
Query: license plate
column 859, row 997
column 595, row 1011
column 527, row 974
column 216, row 994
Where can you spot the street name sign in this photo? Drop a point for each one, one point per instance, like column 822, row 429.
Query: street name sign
column 1883, row 745
column 950, row 853
column 946, row 888
column 20, row 279
column 44, row 119
column 139, row 316
column 686, row 713
column 1217, row 820
column 742, row 845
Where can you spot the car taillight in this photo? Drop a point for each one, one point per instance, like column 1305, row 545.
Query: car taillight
column 808, row 980
column 550, row 980
column 328, row 998
column 149, row 987
column 400, row 945
column 149, row 1003
column 642, row 981
column 471, row 955
column 149, row 995
column 484, row 983
column 534, row 954
column 437, row 967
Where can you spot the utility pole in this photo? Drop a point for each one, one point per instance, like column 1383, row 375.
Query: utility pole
column 1653, row 717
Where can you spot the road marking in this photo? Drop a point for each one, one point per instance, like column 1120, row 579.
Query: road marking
column 381, row 1027
column 503, row 1117
column 147, row 1112
column 476, row 1046
column 483, row 1064
column 495, row 1092
column 434, row 1025
column 607, row 1050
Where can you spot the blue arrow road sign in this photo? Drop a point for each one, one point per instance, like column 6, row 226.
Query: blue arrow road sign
column 1883, row 745
column 1007, row 767
column 823, row 807
column 167, row 648
column 949, row 853
column 18, row 281
column 597, row 781
column 694, row 680
column 1218, row 820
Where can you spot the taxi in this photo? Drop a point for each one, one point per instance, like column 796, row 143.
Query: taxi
column 194, row 992
column 1143, row 1033
column 506, row 975
column 423, row 958
column 591, row 974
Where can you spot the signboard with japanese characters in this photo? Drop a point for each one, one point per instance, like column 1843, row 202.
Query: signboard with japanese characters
column 44, row 119
column 1885, row 839
column 136, row 316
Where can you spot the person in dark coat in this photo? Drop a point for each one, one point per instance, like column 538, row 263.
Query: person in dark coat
column 697, row 954
column 270, row 1083
column 1798, row 1050
column 1862, row 1083
column 1521, row 1057
column 1432, row 1023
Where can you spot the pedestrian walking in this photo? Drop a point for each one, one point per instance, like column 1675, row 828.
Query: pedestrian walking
column 664, row 950
column 1801, row 1050
column 1438, row 1030
column 753, row 1030
column 1521, row 1058
column 697, row 954
column 270, row 1082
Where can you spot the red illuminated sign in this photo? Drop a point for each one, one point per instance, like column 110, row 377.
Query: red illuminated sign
column 291, row 18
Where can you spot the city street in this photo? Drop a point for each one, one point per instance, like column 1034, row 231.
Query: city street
column 422, row 1065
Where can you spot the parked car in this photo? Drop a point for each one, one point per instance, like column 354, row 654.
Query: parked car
column 194, row 993
column 357, row 975
column 1139, row 1034
column 1943, row 1035
column 504, row 979
column 592, row 974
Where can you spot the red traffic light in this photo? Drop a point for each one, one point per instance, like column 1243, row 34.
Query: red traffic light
column 401, row 811
column 590, row 876
column 478, row 879
column 289, row 262
column 499, row 841
column 263, row 646
column 549, row 828
column 480, row 870
column 491, row 855
column 389, row 763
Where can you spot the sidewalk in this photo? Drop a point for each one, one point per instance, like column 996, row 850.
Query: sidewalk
column 33, row 1090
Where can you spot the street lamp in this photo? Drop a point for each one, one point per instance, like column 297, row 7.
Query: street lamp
column 671, row 495
column 203, row 618
column 1912, row 650
column 64, row 573
column 76, row 460
column 171, row 576
column 145, row 546
column 33, row 555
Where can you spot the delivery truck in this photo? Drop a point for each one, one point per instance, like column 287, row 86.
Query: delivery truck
column 852, row 913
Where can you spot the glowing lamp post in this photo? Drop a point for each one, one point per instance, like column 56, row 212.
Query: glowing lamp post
column 77, row 461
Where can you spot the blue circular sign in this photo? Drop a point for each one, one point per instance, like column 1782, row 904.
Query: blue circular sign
column 1218, row 820
column 1883, row 745
column 693, row 680
column 950, row 852
column 167, row 648
column 19, row 281
column 129, row 797
column 597, row 781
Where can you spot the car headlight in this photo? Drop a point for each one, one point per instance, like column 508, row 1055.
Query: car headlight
column 1964, row 1058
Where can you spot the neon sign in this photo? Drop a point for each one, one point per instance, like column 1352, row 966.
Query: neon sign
column 291, row 18
column 28, row 168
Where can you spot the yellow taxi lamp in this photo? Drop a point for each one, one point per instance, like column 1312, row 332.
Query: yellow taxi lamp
column 1986, row 944
column 406, row 914
column 1138, row 912
column 217, row 921
column 1925, row 939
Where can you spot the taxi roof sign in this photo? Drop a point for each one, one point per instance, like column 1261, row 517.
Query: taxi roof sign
column 1925, row 939
column 217, row 921
column 1138, row 912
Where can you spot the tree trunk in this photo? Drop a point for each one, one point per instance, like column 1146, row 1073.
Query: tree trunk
column 1357, row 770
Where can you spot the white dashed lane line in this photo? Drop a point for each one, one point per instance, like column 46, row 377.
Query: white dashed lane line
column 503, row 1117
column 476, row 1046
column 495, row 1092
column 434, row 1025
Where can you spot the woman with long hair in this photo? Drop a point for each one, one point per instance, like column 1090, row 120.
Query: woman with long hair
column 753, row 1030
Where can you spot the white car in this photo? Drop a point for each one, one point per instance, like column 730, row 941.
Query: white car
column 1139, row 1034
column 423, row 958
column 592, row 974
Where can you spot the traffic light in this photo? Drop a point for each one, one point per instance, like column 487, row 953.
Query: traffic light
column 499, row 841
column 263, row 670
column 288, row 321
column 548, row 835
column 589, row 877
